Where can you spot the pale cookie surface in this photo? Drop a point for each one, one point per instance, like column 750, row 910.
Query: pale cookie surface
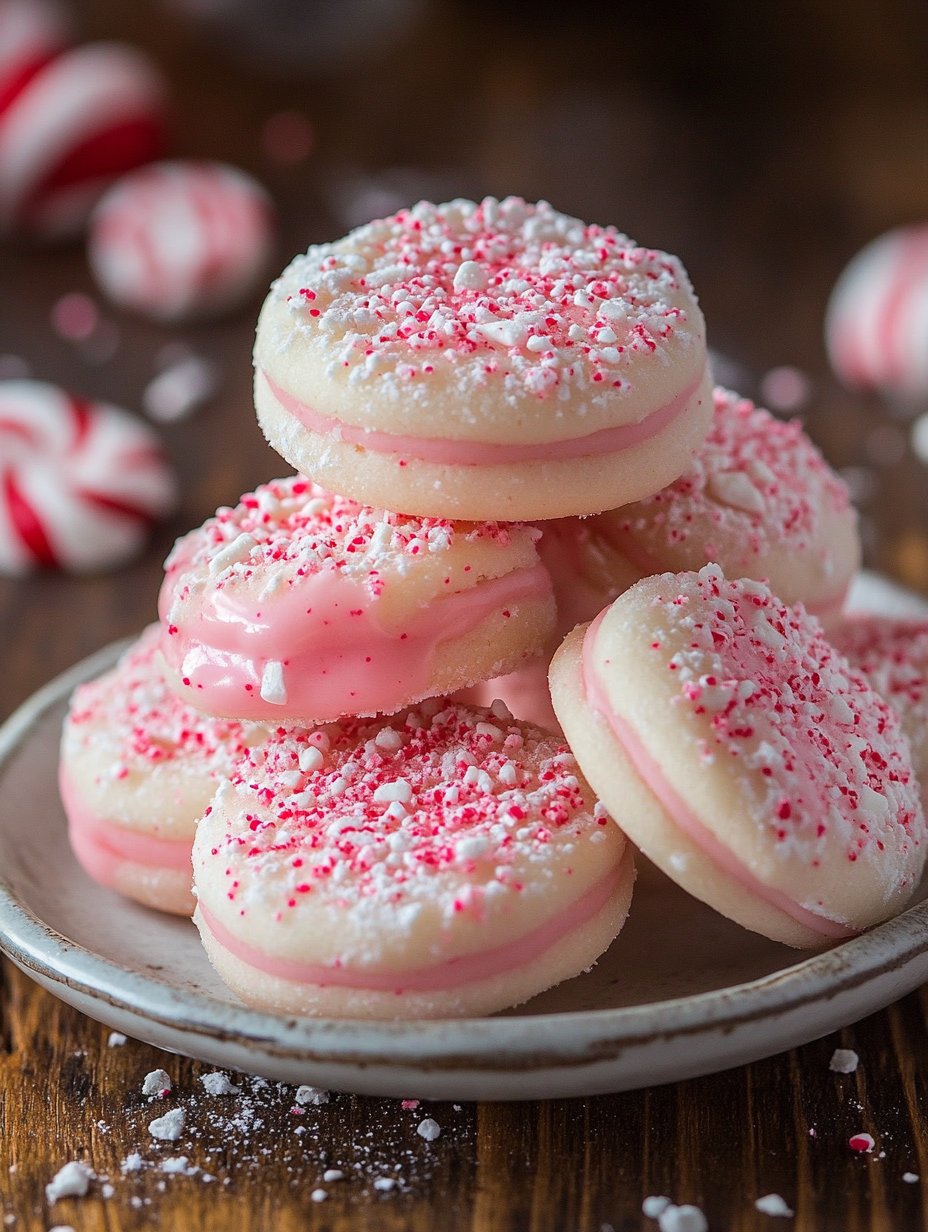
column 448, row 861
column 182, row 239
column 893, row 655
column 301, row 605
column 83, row 481
column 759, row 499
column 138, row 767
column 744, row 756
column 484, row 360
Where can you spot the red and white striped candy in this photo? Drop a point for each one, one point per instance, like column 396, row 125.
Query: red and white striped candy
column 69, row 126
column 31, row 33
column 182, row 239
column 876, row 327
column 80, row 482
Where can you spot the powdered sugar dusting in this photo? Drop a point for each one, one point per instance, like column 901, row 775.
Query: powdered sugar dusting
column 504, row 291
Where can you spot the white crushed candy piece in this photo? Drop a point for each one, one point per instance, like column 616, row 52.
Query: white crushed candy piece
column 180, row 389
column 232, row 554
column 168, row 1128
column 107, row 1190
column 115, row 1039
column 311, row 759
column 9, row 1220
column 910, row 1177
column 400, row 789
column 654, row 1205
column 333, row 1174
column 157, row 1082
column 175, row 1164
column 428, row 1129
column 311, row 1095
column 273, row 688
column 384, row 1184
column 838, row 709
column 318, row 1195
column 735, row 489
column 217, row 1083
column 773, row 1204
column 132, row 1163
column 470, row 276
column 388, row 739
column 843, row 1061
column 71, row 1181
column 682, row 1219
column 507, row 333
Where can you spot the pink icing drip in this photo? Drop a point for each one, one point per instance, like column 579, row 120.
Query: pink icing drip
column 681, row 814
column 107, row 845
column 446, row 452
column 326, row 632
column 454, row 972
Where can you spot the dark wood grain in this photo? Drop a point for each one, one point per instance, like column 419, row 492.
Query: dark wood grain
column 764, row 143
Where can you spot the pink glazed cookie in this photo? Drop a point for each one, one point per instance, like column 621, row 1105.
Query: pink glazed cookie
column 893, row 655
column 137, row 769
column 301, row 605
column 491, row 360
column 758, row 499
column 446, row 862
column 744, row 756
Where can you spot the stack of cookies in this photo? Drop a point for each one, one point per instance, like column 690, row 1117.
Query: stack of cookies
column 344, row 710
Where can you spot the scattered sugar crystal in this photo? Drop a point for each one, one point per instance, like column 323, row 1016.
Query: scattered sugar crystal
column 910, row 1177
column 175, row 1164
column 682, row 1219
column 107, row 1190
column 655, row 1206
column 169, row 1127
column 773, row 1204
column 132, row 1163
column 71, row 1181
column 428, row 1129
column 59, row 1227
column 217, row 1083
column 384, row 1183
column 333, row 1174
column 319, row 1195
column 115, row 1039
column 843, row 1061
column 157, row 1082
column 311, row 1095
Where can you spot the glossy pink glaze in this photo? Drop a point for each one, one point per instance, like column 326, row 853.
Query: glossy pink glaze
column 326, row 632
column 88, row 831
column 443, row 451
column 681, row 814
column 454, row 972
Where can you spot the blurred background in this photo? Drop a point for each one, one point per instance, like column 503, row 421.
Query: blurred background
column 765, row 144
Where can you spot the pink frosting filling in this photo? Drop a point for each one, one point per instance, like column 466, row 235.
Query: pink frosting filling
column 102, row 845
column 325, row 632
column 683, row 816
column 443, row 451
column 454, row 972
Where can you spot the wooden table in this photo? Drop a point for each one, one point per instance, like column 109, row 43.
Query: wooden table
column 765, row 147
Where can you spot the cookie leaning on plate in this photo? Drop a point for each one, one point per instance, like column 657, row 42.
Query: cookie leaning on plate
column 495, row 360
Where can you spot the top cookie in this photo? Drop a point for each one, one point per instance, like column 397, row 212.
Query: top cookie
column 491, row 360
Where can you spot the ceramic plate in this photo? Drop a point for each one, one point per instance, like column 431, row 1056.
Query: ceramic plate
column 681, row 992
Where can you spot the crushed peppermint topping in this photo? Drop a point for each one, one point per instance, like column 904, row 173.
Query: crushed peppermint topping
column 773, row 1204
column 71, row 1181
column 893, row 655
column 844, row 1061
column 143, row 724
column 762, row 682
column 504, row 291
column 428, row 811
column 862, row 1143
column 756, row 484
column 295, row 526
